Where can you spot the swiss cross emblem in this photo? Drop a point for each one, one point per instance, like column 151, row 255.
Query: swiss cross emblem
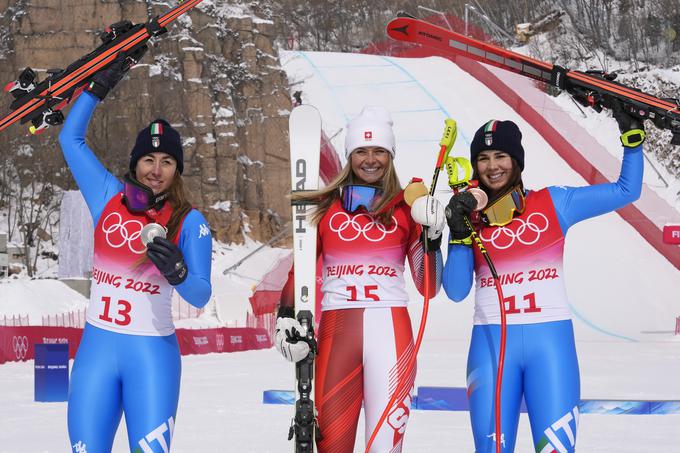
column 368, row 135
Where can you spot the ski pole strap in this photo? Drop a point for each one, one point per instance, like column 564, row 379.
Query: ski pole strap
column 454, row 166
column 633, row 138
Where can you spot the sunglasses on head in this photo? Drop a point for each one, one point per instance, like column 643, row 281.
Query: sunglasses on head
column 355, row 196
column 138, row 197
column 502, row 210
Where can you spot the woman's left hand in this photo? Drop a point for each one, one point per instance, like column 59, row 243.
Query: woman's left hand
column 168, row 259
column 429, row 212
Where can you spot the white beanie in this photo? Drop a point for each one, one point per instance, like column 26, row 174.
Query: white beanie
column 373, row 127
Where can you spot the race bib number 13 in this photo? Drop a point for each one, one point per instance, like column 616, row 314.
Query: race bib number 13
column 121, row 311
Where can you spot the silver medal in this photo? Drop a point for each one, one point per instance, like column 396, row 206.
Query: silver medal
column 150, row 231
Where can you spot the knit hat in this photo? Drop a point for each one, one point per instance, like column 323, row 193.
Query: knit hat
column 373, row 127
column 159, row 136
column 500, row 136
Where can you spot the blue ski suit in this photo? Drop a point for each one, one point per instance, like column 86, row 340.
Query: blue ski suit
column 540, row 358
column 129, row 359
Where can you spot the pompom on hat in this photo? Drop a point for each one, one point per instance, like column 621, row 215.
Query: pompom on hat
column 372, row 127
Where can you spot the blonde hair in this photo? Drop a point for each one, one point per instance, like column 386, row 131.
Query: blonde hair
column 326, row 196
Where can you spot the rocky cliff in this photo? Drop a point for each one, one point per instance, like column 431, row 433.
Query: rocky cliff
column 215, row 76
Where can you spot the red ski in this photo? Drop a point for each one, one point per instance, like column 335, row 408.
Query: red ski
column 41, row 103
column 592, row 89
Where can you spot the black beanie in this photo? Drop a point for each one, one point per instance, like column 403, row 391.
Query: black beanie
column 500, row 136
column 159, row 136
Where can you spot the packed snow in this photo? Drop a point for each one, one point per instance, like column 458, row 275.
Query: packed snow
column 623, row 292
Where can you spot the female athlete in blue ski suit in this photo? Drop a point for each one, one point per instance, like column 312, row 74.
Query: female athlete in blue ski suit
column 527, row 252
column 129, row 359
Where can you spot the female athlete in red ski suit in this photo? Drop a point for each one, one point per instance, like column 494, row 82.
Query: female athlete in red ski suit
column 365, row 341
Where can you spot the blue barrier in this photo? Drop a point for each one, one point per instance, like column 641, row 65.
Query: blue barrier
column 455, row 399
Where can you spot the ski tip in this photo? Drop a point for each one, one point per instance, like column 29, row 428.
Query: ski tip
column 399, row 29
column 303, row 107
column 305, row 110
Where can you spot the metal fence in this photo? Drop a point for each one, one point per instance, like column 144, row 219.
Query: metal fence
column 75, row 318
column 14, row 321
column 265, row 321
column 181, row 309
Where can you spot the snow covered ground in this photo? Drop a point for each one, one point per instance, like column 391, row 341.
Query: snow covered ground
column 623, row 293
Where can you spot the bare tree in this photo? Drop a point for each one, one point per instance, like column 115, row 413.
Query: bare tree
column 35, row 196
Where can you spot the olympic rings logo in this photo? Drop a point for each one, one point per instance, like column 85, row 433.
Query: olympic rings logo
column 20, row 346
column 349, row 228
column 120, row 233
column 528, row 232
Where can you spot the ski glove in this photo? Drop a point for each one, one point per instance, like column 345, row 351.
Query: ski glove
column 429, row 212
column 168, row 259
column 104, row 81
column 632, row 128
column 288, row 340
column 460, row 206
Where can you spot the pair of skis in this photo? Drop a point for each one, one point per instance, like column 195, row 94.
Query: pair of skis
column 305, row 142
column 594, row 89
column 41, row 102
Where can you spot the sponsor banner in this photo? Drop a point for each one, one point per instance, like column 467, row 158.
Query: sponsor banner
column 671, row 234
column 51, row 372
column 17, row 344
column 455, row 399
column 227, row 339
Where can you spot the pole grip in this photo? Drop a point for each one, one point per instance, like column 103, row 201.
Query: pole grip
column 447, row 141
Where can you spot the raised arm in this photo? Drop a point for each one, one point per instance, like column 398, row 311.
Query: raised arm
column 95, row 182
column 574, row 204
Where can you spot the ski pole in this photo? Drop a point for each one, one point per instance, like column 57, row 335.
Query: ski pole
column 445, row 145
column 501, row 351
column 457, row 183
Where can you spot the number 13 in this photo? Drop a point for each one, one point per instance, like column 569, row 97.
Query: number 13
column 124, row 308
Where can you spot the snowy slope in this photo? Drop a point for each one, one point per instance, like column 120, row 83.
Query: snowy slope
column 619, row 285
column 613, row 294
